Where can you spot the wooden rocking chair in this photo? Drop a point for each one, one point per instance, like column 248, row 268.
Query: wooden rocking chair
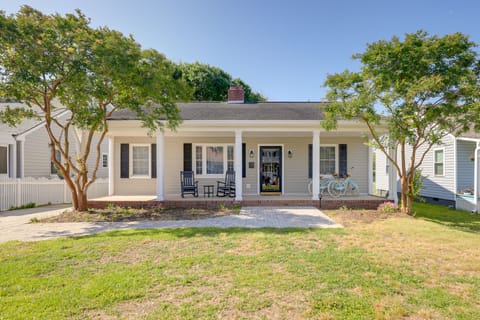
column 227, row 187
column 188, row 183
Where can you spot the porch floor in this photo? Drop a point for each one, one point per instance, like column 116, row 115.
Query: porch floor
column 357, row 201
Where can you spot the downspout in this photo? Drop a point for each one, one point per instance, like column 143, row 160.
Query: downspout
column 475, row 179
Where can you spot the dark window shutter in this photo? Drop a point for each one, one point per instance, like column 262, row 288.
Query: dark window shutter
column 342, row 159
column 154, row 159
column 310, row 161
column 187, row 157
column 124, row 160
column 244, row 160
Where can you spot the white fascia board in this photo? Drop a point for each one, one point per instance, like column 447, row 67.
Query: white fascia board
column 21, row 136
column 134, row 127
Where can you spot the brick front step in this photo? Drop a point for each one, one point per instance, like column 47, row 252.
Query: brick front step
column 323, row 204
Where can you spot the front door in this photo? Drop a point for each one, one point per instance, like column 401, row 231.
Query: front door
column 271, row 170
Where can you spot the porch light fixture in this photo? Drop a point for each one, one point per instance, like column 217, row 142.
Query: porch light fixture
column 252, row 155
column 290, row 154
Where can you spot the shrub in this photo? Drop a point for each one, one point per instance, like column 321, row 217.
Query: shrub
column 387, row 207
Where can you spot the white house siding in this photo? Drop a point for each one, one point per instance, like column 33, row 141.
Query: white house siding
column 133, row 186
column 37, row 154
column 295, row 169
column 465, row 166
column 357, row 158
column 439, row 187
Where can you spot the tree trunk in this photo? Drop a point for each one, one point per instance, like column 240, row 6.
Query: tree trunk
column 82, row 200
column 404, row 195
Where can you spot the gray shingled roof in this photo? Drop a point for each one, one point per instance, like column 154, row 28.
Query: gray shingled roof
column 241, row 111
column 25, row 125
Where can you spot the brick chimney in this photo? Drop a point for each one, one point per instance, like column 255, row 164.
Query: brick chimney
column 235, row 94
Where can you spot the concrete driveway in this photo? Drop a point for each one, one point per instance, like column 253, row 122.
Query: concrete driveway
column 16, row 225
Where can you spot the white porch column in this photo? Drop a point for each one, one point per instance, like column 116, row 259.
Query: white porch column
column 370, row 169
column 111, row 172
column 21, row 159
column 316, row 165
column 13, row 160
column 160, row 166
column 238, row 165
column 392, row 178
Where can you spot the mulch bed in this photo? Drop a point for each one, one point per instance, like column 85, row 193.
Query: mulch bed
column 346, row 217
column 351, row 217
column 130, row 214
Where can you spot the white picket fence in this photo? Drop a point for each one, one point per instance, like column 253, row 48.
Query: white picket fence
column 18, row 192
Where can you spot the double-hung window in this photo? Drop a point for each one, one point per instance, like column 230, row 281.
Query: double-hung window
column 53, row 167
column 439, row 162
column 213, row 160
column 140, row 160
column 328, row 159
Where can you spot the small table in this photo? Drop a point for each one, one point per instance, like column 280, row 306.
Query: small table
column 208, row 190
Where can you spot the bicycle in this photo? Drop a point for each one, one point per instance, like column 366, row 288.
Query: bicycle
column 328, row 184
column 336, row 187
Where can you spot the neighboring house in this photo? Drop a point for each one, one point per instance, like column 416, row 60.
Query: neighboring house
column 25, row 149
column 269, row 145
column 449, row 168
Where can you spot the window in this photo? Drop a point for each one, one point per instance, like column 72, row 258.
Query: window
column 140, row 160
column 230, row 159
column 438, row 162
column 198, row 160
column 213, row 160
column 104, row 160
column 328, row 159
column 53, row 168
column 3, row 160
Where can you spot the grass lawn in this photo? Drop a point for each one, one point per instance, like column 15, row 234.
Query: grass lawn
column 397, row 268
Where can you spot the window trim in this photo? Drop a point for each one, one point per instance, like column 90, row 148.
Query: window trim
column 52, row 164
column 204, row 159
column 130, row 160
column 8, row 160
column 443, row 162
column 336, row 157
column 104, row 163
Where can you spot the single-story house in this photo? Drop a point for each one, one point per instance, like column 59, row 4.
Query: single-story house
column 275, row 148
column 451, row 171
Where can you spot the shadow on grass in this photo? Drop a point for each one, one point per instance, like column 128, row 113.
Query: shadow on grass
column 457, row 219
column 175, row 233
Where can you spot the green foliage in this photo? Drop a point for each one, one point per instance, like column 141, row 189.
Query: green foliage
column 417, row 184
column 209, row 83
column 55, row 62
column 416, row 90
column 208, row 273
column 456, row 219
column 387, row 207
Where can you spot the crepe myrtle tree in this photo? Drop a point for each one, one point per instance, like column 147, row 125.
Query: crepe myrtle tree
column 421, row 88
column 53, row 63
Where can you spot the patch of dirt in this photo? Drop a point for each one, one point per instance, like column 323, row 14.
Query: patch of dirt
column 131, row 214
column 350, row 217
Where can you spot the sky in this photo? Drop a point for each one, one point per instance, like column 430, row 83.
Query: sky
column 282, row 49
